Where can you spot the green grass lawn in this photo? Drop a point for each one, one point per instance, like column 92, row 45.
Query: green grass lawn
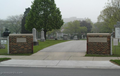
column 116, row 50
column 3, row 59
column 82, row 39
column 96, row 55
column 3, row 51
column 46, row 44
column 116, row 62
column 41, row 45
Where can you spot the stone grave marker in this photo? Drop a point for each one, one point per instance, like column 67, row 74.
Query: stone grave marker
column 0, row 33
column 35, row 42
column 75, row 38
column 65, row 37
column 42, row 36
column 2, row 42
column 56, row 36
column 82, row 36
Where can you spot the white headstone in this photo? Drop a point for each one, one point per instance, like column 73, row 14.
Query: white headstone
column 56, row 36
column 82, row 36
column 0, row 33
column 75, row 38
column 42, row 35
column 34, row 35
column 0, row 42
column 65, row 37
column 3, row 41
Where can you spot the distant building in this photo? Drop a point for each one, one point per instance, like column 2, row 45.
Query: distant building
column 71, row 19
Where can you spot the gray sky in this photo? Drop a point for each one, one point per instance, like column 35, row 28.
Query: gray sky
column 69, row 8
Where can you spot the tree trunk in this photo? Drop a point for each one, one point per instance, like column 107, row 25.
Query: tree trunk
column 45, row 34
column 0, row 44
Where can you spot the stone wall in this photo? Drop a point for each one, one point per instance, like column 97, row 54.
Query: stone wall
column 98, row 43
column 20, row 43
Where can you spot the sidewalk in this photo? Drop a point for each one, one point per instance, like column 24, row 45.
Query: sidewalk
column 60, row 64
column 77, row 56
column 69, row 54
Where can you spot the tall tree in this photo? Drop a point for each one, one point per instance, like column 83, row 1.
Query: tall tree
column 44, row 14
column 110, row 15
column 87, row 25
column 74, row 27
column 1, row 25
column 23, row 30
column 99, row 27
column 13, row 23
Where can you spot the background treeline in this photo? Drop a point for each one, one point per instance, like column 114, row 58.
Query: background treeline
column 108, row 17
column 105, row 24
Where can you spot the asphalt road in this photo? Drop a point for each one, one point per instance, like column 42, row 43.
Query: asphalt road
column 19, row 71
column 70, row 46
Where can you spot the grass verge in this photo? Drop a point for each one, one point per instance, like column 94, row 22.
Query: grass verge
column 116, row 62
column 96, row 55
column 3, row 51
column 116, row 49
column 4, row 59
column 82, row 39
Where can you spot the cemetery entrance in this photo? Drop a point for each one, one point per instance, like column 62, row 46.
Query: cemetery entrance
column 71, row 50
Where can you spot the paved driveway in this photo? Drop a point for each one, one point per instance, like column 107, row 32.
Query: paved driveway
column 63, row 51
column 71, row 50
column 70, row 46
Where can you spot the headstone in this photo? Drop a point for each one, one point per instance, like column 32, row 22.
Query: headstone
column 82, row 36
column 65, row 37
column 0, row 43
column 0, row 33
column 3, row 41
column 42, row 36
column 56, row 36
column 35, row 42
column 2, row 46
column 75, row 38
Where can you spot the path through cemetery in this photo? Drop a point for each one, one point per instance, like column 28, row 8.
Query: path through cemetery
column 65, row 51
column 70, row 50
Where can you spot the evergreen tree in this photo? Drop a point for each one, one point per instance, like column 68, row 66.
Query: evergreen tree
column 23, row 30
column 87, row 25
column 44, row 14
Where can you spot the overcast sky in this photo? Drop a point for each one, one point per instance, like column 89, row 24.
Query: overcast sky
column 69, row 8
